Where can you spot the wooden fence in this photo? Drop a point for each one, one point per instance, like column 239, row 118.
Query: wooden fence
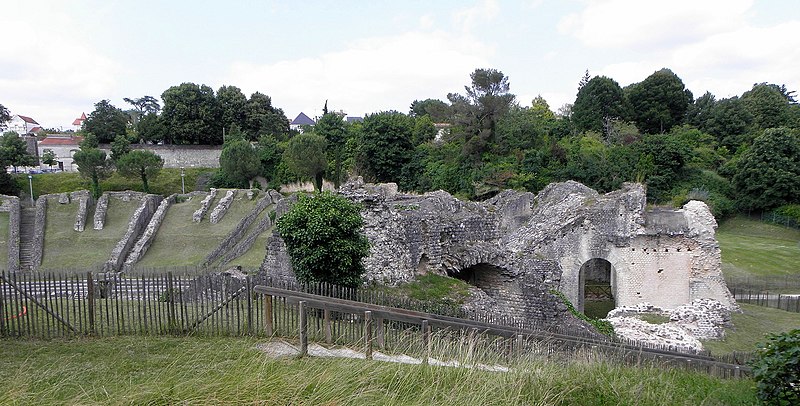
column 47, row 305
column 790, row 303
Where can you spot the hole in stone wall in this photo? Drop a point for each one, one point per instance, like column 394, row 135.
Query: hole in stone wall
column 483, row 276
column 596, row 291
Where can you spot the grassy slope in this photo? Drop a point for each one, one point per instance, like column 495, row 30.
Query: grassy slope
column 750, row 328
column 3, row 240
column 166, row 183
column 182, row 242
column 65, row 248
column 253, row 258
column 180, row 370
column 754, row 248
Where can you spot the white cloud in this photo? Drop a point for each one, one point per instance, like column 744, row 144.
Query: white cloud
column 369, row 75
column 647, row 25
column 467, row 19
column 49, row 71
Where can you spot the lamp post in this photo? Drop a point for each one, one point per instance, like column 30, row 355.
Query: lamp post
column 183, row 182
column 30, row 183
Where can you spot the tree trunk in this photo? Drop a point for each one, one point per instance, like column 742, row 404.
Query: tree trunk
column 318, row 182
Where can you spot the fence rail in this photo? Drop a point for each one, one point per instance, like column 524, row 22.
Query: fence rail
column 790, row 303
column 48, row 305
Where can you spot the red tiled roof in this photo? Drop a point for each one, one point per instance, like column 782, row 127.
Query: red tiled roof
column 83, row 116
column 77, row 122
column 28, row 120
column 35, row 129
column 61, row 141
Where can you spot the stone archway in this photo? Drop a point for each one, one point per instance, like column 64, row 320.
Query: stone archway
column 596, row 287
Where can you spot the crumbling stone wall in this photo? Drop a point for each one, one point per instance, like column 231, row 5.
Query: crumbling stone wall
column 40, row 219
column 10, row 204
column 138, row 222
column 222, row 207
column 84, row 199
column 143, row 243
column 99, row 219
column 198, row 215
column 236, row 234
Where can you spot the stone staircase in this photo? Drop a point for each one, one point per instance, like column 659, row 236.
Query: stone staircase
column 26, row 231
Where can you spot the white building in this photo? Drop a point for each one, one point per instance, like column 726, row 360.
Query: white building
column 23, row 125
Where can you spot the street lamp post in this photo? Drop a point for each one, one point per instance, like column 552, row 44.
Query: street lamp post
column 30, row 183
column 183, row 182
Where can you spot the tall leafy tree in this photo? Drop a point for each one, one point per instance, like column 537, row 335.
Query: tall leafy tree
column 729, row 122
column 92, row 164
column 331, row 127
column 700, row 112
column 141, row 106
column 120, row 147
column 599, row 100
column 142, row 164
column 269, row 153
column 305, row 156
column 239, row 161
column 5, row 115
column 106, row 122
column 768, row 174
column 232, row 104
column 385, row 145
column 262, row 118
column 768, row 105
column 151, row 128
column 659, row 102
column 191, row 115
column 14, row 151
column 324, row 240
column 436, row 109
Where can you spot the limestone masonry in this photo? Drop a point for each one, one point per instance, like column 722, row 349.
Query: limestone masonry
column 518, row 246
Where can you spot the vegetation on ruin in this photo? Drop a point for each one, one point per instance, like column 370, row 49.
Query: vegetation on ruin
column 603, row 326
column 197, row 370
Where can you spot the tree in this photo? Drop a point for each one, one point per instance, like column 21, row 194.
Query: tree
column 106, row 122
column 776, row 368
column 239, row 161
column 729, row 122
column 262, row 118
column 436, row 109
column 385, row 145
column 305, row 156
column 14, row 151
column 143, row 105
column 598, row 101
column 232, row 104
column 659, row 102
column 768, row 174
column 699, row 113
column 49, row 157
column 331, row 127
column 151, row 128
column 5, row 115
column 191, row 115
column 120, row 147
column 768, row 105
column 269, row 153
column 324, row 241
column 140, row 163
column 92, row 164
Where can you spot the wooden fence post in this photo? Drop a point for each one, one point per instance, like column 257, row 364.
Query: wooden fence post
column 520, row 343
column 171, row 303
column 426, row 340
column 303, row 329
column 368, row 333
column 90, row 300
column 326, row 321
column 269, row 328
column 249, row 283
column 379, row 333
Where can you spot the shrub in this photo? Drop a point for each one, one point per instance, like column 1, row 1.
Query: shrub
column 324, row 241
column 603, row 326
column 776, row 369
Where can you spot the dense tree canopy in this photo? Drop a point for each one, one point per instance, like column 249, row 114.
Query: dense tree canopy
column 232, row 106
column 599, row 100
column 5, row 115
column 305, row 156
column 106, row 122
column 323, row 237
column 659, row 102
column 768, row 174
column 142, row 164
column 92, row 164
column 262, row 118
column 385, row 145
column 437, row 110
column 331, row 127
column 191, row 115
column 14, row 152
column 767, row 105
column 239, row 161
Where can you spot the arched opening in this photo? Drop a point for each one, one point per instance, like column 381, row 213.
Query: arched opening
column 488, row 278
column 597, row 281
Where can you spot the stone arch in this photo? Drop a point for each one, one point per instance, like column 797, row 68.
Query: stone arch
column 571, row 283
column 596, row 284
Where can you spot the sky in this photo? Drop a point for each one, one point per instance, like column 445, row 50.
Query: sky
column 59, row 58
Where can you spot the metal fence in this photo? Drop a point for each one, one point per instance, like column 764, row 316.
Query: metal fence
column 790, row 302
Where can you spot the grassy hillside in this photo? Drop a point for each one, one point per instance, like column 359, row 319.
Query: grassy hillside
column 182, row 242
column 166, row 183
column 753, row 248
column 751, row 327
column 65, row 248
column 195, row 370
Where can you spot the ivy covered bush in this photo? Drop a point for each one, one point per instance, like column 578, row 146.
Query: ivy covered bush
column 776, row 369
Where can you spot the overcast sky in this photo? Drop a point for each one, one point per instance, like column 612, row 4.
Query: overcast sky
column 58, row 58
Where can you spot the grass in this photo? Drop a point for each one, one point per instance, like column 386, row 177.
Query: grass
column 653, row 318
column 182, row 242
column 166, row 183
column 750, row 328
column 193, row 370
column 65, row 248
column 751, row 248
column 3, row 240
column 435, row 288
column 253, row 258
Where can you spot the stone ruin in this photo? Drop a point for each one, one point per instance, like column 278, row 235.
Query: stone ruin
column 516, row 247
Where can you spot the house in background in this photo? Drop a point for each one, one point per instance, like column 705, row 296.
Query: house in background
column 300, row 121
column 23, row 125
column 64, row 146
column 78, row 123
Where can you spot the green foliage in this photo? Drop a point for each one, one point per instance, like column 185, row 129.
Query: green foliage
column 599, row 99
column 331, row 127
column 232, row 104
column 767, row 105
column 5, row 115
column 776, row 369
column 239, row 161
column 8, row 186
column 437, row 110
column 151, row 128
column 92, row 164
column 269, row 154
column 192, row 115
column 768, row 174
column 659, row 102
column 120, row 147
column 324, row 241
column 262, row 118
column 106, row 122
column 48, row 157
column 89, row 141
column 791, row 211
column 305, row 156
column 385, row 145
column 603, row 326
column 14, row 152
column 140, row 163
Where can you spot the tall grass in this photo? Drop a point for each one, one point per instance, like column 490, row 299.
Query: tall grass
column 195, row 370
